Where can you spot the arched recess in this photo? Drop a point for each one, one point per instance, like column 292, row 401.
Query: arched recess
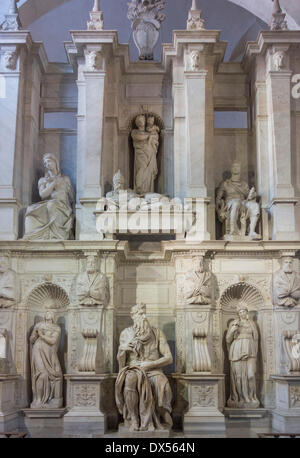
column 48, row 296
column 31, row 10
column 241, row 292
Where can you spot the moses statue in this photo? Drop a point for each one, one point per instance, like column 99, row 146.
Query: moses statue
column 143, row 392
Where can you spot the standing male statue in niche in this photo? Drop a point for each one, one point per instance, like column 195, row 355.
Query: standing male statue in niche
column 197, row 284
column 143, row 392
column 92, row 286
column 236, row 203
column 9, row 284
column 146, row 143
column 286, row 284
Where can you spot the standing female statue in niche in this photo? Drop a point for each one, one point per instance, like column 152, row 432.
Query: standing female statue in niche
column 46, row 373
column 146, row 142
column 242, row 339
column 51, row 219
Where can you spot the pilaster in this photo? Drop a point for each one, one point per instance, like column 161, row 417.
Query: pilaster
column 269, row 56
column 195, row 56
column 89, row 54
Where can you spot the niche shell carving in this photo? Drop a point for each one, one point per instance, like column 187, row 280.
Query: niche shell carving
column 49, row 295
column 241, row 292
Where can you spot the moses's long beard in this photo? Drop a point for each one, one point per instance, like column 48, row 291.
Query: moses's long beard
column 141, row 327
column 142, row 332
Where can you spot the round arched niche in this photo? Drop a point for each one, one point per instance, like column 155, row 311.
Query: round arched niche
column 158, row 184
column 48, row 296
column 241, row 292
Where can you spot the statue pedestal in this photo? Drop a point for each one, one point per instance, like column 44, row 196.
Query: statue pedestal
column 43, row 422
column 158, row 433
column 85, row 394
column 286, row 416
column 203, row 417
column 247, row 414
column 240, row 238
column 8, row 410
column 44, row 413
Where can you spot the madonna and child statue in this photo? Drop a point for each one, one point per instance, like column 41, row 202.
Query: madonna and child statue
column 145, row 137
